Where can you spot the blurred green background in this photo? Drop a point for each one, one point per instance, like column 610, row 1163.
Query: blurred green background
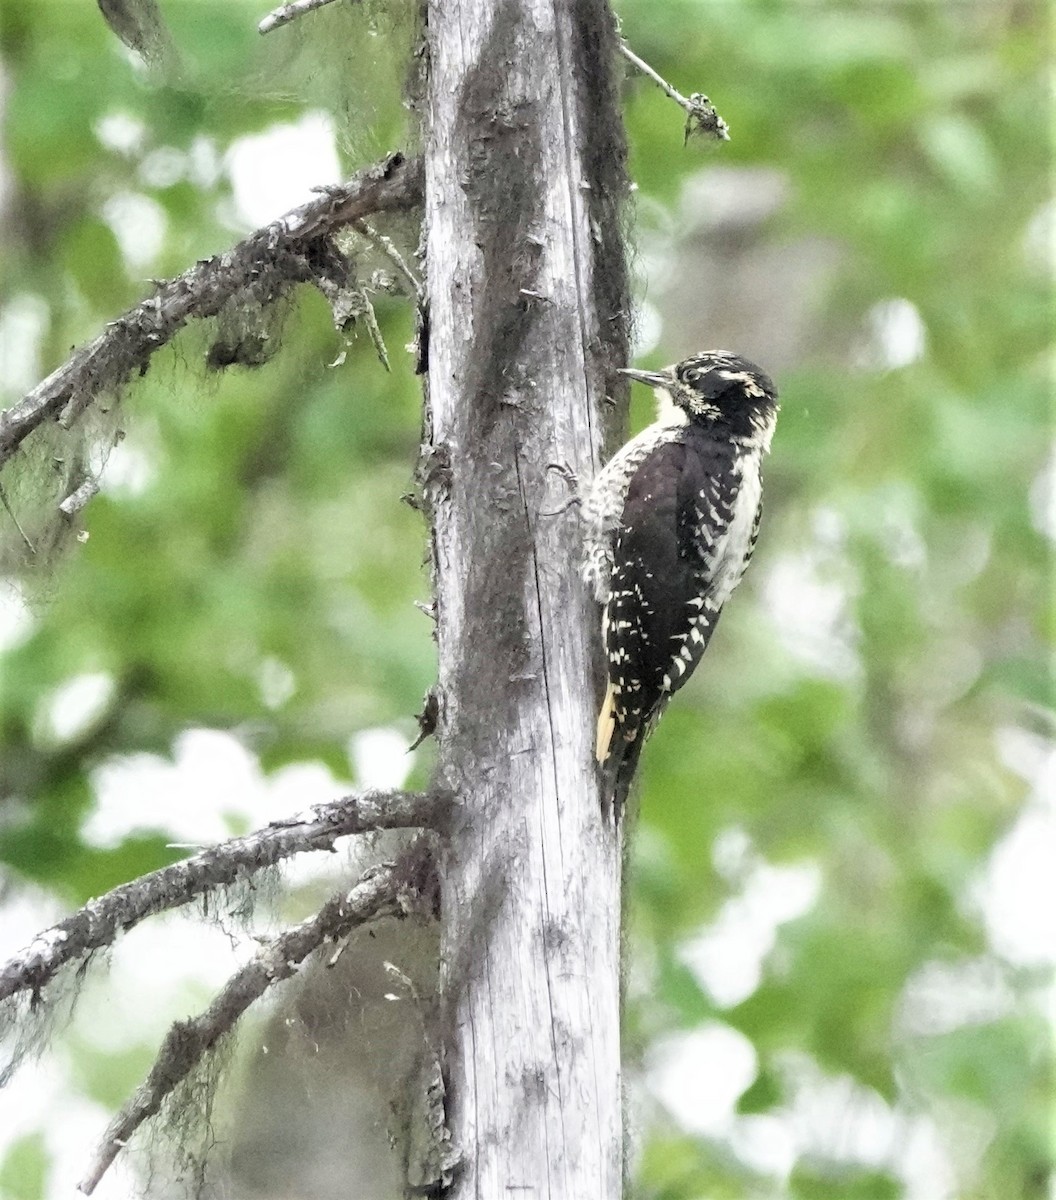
column 842, row 925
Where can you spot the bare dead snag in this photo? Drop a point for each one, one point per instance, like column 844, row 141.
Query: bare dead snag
column 527, row 294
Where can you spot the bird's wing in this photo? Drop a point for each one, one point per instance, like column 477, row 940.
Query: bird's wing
column 604, row 504
column 659, row 615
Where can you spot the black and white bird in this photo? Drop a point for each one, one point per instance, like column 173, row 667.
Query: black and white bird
column 671, row 523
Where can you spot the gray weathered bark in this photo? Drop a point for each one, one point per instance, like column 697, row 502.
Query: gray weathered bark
column 527, row 303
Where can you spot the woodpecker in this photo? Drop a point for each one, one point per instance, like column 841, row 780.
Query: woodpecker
column 671, row 522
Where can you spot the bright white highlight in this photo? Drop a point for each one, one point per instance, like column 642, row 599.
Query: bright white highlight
column 699, row 1076
column 727, row 957
column 1039, row 240
column 76, row 705
column 163, row 167
column 274, row 171
column 120, row 132
column 129, row 471
column 1018, row 889
column 276, row 681
column 139, row 224
column 23, row 322
column 16, row 621
column 895, row 335
column 944, row 996
column 808, row 600
column 213, row 783
column 1043, row 499
column 379, row 758
column 648, row 329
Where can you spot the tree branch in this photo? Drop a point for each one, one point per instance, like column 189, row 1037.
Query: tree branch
column 394, row 889
column 283, row 247
column 286, row 13
column 76, row 500
column 393, row 255
column 101, row 920
column 701, row 116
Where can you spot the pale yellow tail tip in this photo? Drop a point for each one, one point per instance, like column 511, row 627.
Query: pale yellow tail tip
column 606, row 725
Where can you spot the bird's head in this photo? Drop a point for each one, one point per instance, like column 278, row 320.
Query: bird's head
column 722, row 389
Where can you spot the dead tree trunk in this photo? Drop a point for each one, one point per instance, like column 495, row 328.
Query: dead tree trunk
column 527, row 304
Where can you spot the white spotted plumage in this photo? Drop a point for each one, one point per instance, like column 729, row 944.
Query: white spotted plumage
column 671, row 522
column 603, row 507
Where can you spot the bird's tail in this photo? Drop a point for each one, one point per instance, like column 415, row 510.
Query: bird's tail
column 623, row 766
column 618, row 755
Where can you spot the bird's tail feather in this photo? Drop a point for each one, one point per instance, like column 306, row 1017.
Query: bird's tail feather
column 622, row 767
column 617, row 755
column 606, row 725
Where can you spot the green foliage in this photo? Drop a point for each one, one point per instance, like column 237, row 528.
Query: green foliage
column 822, row 1182
column 905, row 137
column 266, row 538
column 24, row 1169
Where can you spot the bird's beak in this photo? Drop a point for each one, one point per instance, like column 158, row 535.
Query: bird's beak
column 652, row 378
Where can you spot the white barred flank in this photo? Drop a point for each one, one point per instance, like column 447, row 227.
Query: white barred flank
column 728, row 557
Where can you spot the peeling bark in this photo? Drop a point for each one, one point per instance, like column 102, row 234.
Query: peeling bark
column 527, row 299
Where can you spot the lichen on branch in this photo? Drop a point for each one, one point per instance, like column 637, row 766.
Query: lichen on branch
column 405, row 887
column 99, row 922
column 282, row 250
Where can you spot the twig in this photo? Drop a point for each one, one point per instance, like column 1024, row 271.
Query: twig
column 101, row 920
column 76, row 500
column 73, row 408
column 11, row 513
column 387, row 247
column 125, row 346
column 187, row 1042
column 286, row 13
column 701, row 116
column 370, row 319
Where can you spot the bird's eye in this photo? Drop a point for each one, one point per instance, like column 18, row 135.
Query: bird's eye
column 692, row 376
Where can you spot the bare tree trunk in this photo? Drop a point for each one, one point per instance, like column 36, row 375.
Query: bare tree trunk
column 527, row 296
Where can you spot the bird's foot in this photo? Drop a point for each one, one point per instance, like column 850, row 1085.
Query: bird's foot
column 570, row 477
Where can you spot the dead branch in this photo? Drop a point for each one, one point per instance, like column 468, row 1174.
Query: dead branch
column 388, row 248
column 76, row 500
column 100, row 921
column 286, row 13
column 385, row 891
column 14, row 517
column 701, row 116
column 283, row 248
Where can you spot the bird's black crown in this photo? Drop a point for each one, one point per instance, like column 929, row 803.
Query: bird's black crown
column 719, row 388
